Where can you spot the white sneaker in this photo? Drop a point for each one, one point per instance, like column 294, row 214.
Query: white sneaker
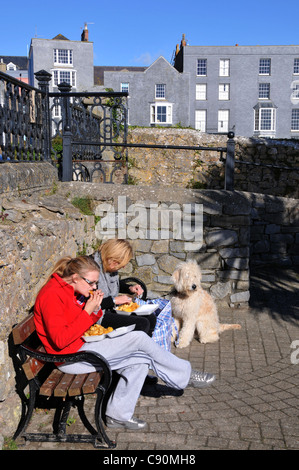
column 132, row 424
column 200, row 379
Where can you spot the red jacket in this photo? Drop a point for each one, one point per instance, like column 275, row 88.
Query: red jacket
column 60, row 318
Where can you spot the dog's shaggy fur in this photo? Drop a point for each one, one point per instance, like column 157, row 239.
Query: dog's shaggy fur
column 193, row 308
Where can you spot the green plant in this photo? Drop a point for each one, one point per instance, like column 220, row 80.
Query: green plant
column 132, row 180
column 83, row 251
column 197, row 165
column 57, row 145
column 84, row 204
column 70, row 421
column 9, row 444
column 196, row 185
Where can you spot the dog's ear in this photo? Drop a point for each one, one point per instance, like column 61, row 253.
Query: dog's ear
column 176, row 275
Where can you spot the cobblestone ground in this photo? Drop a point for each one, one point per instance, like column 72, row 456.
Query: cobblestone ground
column 254, row 402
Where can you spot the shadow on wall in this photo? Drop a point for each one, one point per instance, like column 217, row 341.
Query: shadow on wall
column 276, row 288
column 274, row 269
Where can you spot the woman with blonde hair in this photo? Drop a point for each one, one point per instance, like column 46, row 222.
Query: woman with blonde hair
column 65, row 309
column 114, row 254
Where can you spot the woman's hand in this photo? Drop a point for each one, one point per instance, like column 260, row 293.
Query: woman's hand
column 122, row 299
column 137, row 289
column 93, row 303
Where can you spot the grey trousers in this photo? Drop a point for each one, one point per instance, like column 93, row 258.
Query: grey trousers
column 132, row 355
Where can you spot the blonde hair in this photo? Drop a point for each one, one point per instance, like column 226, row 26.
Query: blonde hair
column 118, row 250
column 67, row 266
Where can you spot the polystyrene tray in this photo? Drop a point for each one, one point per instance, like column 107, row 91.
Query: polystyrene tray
column 142, row 310
column 113, row 334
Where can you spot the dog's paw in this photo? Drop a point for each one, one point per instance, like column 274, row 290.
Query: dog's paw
column 183, row 344
column 209, row 339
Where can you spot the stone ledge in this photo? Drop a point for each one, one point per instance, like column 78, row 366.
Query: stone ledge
column 25, row 178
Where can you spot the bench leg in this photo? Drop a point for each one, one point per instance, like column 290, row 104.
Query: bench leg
column 27, row 410
column 101, row 438
column 60, row 418
column 98, row 419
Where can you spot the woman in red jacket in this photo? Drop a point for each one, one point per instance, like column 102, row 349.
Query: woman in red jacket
column 65, row 309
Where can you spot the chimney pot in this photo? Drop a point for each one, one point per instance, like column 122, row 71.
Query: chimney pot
column 84, row 35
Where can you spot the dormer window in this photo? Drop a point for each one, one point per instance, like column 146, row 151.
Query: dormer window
column 11, row 66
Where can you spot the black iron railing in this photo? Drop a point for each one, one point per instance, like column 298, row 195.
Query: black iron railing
column 83, row 134
column 93, row 128
column 23, row 114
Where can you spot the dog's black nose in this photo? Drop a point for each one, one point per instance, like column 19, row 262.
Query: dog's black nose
column 194, row 286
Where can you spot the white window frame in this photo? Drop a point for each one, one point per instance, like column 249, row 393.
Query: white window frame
column 154, row 110
column 223, row 120
column 124, row 87
column 223, row 91
column 57, row 73
column 160, row 91
column 202, row 67
column 261, row 119
column 56, row 111
column 201, row 91
column 201, row 120
column 224, row 68
column 58, row 55
column 296, row 66
column 265, row 66
column 264, row 91
column 295, row 120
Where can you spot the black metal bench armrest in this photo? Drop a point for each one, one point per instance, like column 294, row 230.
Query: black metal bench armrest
column 90, row 357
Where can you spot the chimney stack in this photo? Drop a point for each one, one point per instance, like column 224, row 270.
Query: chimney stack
column 2, row 66
column 84, row 35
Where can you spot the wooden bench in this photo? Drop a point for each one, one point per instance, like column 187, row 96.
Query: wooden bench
column 67, row 390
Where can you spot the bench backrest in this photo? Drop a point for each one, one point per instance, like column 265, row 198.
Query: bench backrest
column 23, row 330
column 21, row 333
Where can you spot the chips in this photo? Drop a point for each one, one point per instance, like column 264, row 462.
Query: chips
column 130, row 307
column 97, row 330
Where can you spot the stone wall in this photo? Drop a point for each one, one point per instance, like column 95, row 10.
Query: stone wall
column 182, row 168
column 26, row 178
column 274, row 231
column 268, row 179
column 203, row 169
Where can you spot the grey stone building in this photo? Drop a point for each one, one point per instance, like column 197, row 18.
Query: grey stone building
column 158, row 95
column 253, row 90
column 67, row 61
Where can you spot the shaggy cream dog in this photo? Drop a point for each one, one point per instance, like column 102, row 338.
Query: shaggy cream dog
column 193, row 308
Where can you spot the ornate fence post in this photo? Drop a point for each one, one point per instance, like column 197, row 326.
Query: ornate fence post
column 230, row 163
column 43, row 77
column 67, row 160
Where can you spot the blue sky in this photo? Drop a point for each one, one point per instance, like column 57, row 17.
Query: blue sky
column 134, row 32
